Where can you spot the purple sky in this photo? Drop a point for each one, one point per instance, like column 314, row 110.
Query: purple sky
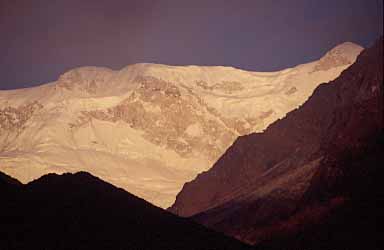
column 41, row 39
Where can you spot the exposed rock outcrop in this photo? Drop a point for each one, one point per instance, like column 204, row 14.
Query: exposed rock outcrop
column 14, row 119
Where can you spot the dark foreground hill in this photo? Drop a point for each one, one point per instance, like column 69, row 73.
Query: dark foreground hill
column 80, row 211
column 311, row 180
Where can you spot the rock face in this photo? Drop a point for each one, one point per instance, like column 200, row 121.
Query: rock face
column 149, row 128
column 269, row 182
column 80, row 211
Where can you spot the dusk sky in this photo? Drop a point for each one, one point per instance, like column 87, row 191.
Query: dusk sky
column 41, row 39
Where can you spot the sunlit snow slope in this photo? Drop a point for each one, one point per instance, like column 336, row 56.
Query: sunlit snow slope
column 149, row 128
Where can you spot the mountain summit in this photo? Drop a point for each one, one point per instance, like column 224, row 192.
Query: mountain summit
column 342, row 54
column 147, row 128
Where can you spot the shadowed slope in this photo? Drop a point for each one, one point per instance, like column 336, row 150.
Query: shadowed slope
column 347, row 216
column 300, row 162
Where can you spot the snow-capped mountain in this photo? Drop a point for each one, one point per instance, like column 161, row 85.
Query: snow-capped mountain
column 149, row 128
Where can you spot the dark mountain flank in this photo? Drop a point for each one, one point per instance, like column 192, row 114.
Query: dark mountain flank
column 80, row 211
column 309, row 176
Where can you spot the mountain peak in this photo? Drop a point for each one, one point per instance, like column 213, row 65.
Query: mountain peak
column 85, row 78
column 346, row 49
column 343, row 54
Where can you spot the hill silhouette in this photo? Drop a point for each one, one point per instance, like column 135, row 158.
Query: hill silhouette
column 80, row 211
